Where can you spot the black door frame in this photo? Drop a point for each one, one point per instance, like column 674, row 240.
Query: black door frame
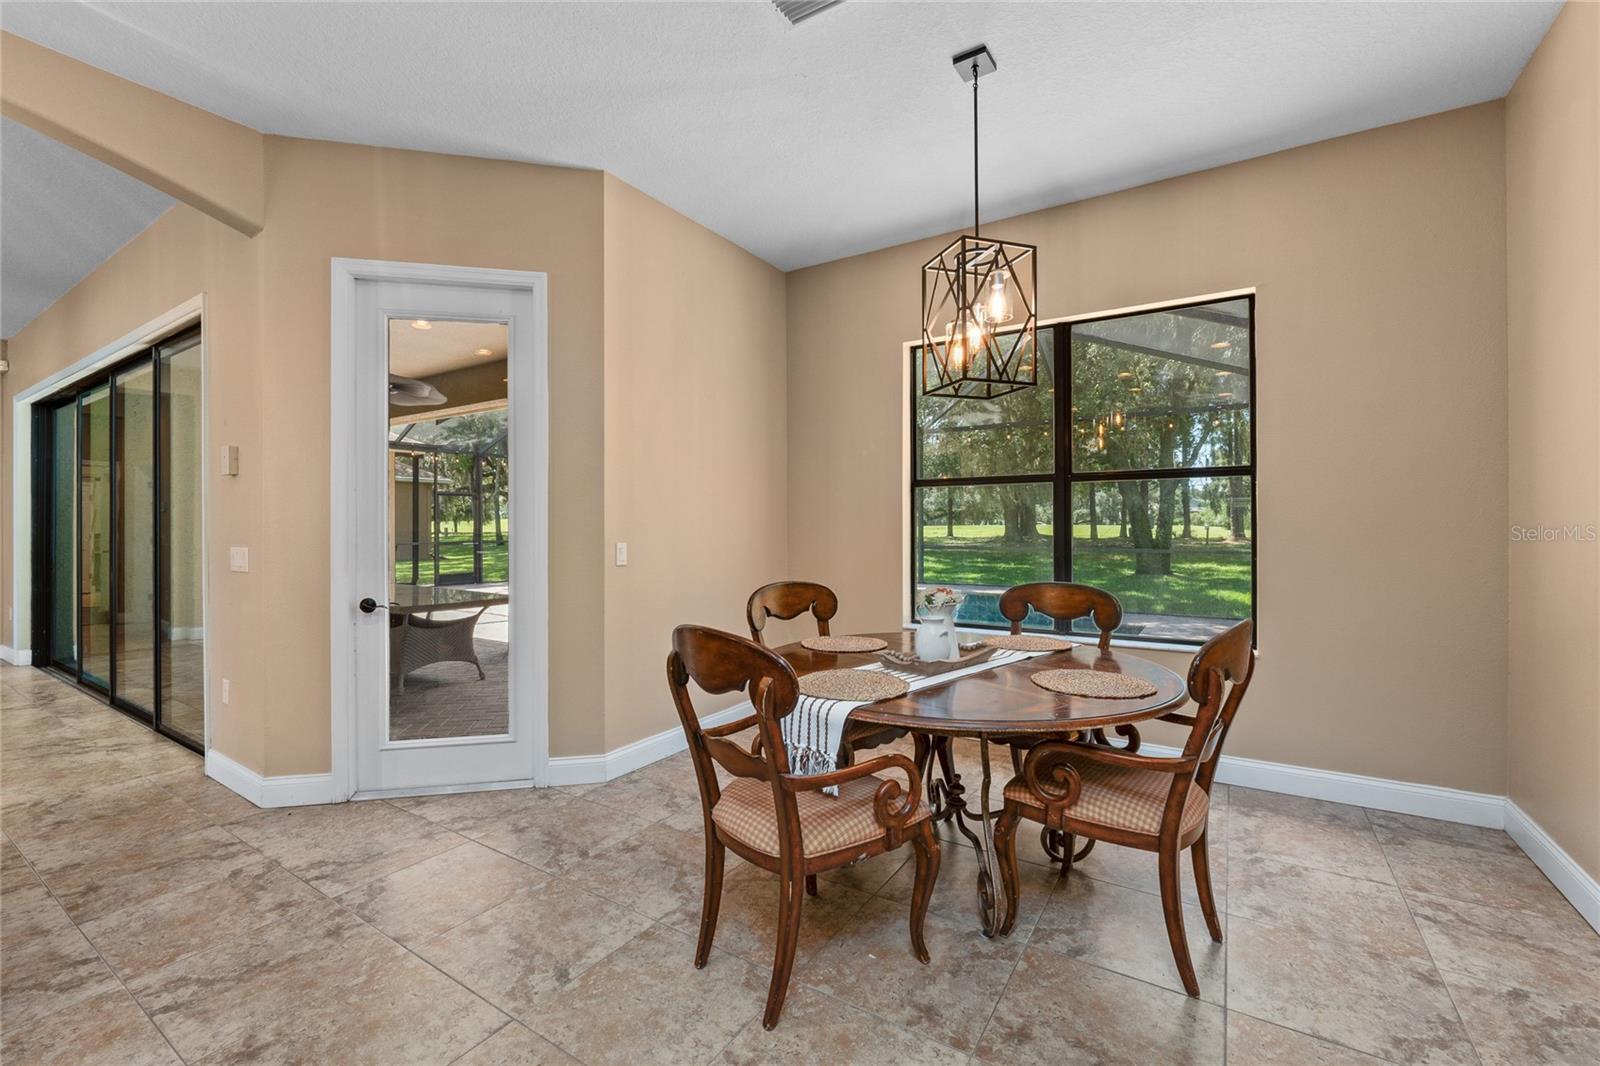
column 43, row 530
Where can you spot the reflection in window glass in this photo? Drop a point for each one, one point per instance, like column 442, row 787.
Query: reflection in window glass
column 1011, row 434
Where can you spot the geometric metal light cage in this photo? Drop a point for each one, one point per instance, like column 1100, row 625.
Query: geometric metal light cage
column 979, row 319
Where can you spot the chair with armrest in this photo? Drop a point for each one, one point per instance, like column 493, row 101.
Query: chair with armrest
column 779, row 821
column 1087, row 788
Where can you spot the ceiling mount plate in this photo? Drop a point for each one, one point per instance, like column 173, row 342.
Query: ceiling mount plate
column 980, row 56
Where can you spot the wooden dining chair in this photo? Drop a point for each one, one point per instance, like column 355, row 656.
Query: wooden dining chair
column 1062, row 601
column 1139, row 801
column 781, row 821
column 790, row 599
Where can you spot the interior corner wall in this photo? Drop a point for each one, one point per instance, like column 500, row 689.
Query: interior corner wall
column 1379, row 265
column 1553, row 322
column 696, row 445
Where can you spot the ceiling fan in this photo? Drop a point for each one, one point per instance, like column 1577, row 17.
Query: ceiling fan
column 409, row 392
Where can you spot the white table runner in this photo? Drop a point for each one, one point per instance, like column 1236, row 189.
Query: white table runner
column 814, row 731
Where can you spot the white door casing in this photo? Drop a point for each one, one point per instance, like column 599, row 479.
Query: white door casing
column 366, row 294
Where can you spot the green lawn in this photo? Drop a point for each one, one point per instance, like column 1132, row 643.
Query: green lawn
column 455, row 557
column 1208, row 580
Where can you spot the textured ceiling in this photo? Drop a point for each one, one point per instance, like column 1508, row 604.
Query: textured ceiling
column 846, row 133
column 61, row 215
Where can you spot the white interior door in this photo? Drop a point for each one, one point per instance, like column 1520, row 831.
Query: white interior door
column 447, row 512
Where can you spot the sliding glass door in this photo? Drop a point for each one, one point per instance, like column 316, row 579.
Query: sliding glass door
column 117, row 536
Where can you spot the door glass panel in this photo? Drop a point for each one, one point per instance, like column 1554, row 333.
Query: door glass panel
column 94, row 494
column 449, row 530
column 182, row 623
column 64, row 536
column 134, row 632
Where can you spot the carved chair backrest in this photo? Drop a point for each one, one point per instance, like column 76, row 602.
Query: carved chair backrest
column 1064, row 602
column 721, row 662
column 1219, row 676
column 790, row 599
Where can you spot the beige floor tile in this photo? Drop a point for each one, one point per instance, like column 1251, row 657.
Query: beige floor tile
column 1122, row 930
column 464, row 812
column 1392, row 1006
column 1132, row 868
column 439, row 893
column 516, row 1045
column 818, row 1030
column 556, row 838
column 1252, row 1042
column 1444, row 867
column 48, row 965
column 72, row 825
column 1555, row 1022
column 14, row 869
column 330, row 990
column 747, row 922
column 1306, row 832
column 1318, row 903
column 1055, row 1011
column 107, row 879
column 337, row 848
column 1392, row 828
column 1518, row 947
column 657, row 791
column 149, row 934
column 646, row 1003
column 107, row 1030
column 869, row 965
column 870, row 875
column 955, row 893
column 534, row 944
column 216, row 802
column 658, row 872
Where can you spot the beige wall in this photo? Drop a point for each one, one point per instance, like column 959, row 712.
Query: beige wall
column 695, row 443
column 267, row 313
column 1379, row 263
column 1553, row 280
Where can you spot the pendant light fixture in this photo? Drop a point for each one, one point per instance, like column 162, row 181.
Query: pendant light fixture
column 978, row 312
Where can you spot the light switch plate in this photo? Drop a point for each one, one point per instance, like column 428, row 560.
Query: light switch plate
column 622, row 553
column 239, row 560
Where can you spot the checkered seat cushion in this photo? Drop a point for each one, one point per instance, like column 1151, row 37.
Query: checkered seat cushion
column 827, row 823
column 1123, row 798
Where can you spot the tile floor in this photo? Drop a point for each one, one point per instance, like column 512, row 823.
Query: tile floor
column 147, row 915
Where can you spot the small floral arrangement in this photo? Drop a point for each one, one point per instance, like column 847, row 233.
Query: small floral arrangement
column 938, row 598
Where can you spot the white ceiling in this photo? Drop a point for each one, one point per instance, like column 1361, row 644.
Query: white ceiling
column 443, row 346
column 61, row 215
column 846, row 133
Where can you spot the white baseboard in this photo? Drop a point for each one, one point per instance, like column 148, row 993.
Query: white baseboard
column 594, row 769
column 290, row 790
column 1379, row 793
column 1581, row 890
column 24, row 657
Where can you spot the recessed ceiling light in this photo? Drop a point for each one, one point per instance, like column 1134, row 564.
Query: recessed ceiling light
column 1223, row 373
column 421, row 323
column 1222, row 344
column 1125, row 375
column 484, row 351
column 1224, row 395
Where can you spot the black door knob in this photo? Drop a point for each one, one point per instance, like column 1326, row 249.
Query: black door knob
column 368, row 605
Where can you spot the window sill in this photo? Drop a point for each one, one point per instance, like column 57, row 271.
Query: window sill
column 1116, row 642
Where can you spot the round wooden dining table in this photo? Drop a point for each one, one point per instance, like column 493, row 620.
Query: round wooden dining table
column 1000, row 705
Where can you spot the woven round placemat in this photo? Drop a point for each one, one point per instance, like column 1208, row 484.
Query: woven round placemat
column 857, row 686
column 844, row 644
column 1028, row 642
column 1095, row 683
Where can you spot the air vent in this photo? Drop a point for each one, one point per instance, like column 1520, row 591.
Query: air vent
column 797, row 11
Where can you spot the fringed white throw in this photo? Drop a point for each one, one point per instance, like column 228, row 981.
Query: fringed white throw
column 814, row 731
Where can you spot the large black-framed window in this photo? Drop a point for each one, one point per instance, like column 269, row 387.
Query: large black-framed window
column 1130, row 466
column 116, row 536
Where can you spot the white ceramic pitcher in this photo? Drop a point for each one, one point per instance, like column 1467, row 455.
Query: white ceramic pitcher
column 936, row 639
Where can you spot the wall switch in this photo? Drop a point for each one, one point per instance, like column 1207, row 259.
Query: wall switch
column 622, row 553
column 239, row 560
column 229, row 460
column 227, row 689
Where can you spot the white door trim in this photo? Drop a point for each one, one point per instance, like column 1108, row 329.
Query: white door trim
column 163, row 325
column 530, row 397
